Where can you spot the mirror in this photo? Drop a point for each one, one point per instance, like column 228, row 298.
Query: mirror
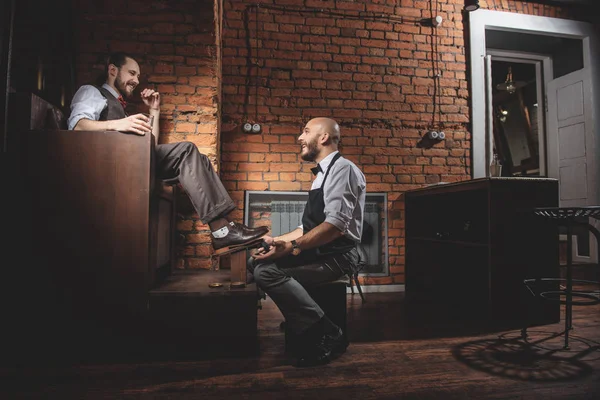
column 516, row 137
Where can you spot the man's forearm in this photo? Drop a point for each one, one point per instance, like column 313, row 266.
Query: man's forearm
column 295, row 234
column 85, row 124
column 319, row 236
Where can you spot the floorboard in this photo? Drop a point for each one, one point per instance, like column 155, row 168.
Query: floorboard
column 388, row 359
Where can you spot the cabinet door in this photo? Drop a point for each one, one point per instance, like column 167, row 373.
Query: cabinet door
column 453, row 216
column 447, row 279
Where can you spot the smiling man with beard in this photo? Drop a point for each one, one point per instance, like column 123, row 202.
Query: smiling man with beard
column 102, row 108
column 322, row 249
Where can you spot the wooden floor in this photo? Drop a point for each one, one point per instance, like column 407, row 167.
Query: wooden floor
column 387, row 359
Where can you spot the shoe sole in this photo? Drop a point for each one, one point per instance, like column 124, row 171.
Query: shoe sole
column 336, row 352
column 237, row 247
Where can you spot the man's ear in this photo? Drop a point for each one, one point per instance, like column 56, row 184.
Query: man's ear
column 325, row 138
column 113, row 70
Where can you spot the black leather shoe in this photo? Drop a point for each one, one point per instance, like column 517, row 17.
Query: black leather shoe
column 322, row 352
column 239, row 236
column 337, row 343
column 317, row 354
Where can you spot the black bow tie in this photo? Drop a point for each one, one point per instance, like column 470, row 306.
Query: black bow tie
column 316, row 169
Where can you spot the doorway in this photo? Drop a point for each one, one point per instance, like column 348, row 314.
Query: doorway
column 566, row 132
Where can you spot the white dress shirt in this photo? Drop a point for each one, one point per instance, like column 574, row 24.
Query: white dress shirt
column 88, row 103
column 344, row 195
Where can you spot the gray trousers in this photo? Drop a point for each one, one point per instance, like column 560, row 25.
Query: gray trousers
column 286, row 281
column 182, row 162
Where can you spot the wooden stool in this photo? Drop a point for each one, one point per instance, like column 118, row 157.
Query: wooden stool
column 234, row 261
column 331, row 297
column 237, row 264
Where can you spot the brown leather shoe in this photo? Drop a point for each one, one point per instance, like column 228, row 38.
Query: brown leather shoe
column 239, row 236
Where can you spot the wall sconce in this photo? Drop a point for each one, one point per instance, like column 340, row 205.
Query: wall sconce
column 471, row 5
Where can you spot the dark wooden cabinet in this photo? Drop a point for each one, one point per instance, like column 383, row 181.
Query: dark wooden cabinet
column 470, row 245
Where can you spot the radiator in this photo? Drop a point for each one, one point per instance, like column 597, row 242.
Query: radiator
column 286, row 216
column 373, row 247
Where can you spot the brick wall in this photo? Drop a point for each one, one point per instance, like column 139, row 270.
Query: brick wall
column 369, row 65
column 175, row 45
column 373, row 74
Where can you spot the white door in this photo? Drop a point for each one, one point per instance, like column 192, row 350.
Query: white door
column 571, row 145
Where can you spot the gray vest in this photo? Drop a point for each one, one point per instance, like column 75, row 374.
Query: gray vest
column 114, row 109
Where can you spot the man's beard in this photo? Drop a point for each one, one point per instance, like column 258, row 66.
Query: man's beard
column 311, row 151
column 122, row 87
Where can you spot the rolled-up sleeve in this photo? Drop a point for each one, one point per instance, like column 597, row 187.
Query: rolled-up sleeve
column 87, row 103
column 341, row 195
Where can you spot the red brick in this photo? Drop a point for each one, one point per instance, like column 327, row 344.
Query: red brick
column 253, row 185
column 185, row 225
column 285, row 186
column 200, row 140
column 204, row 81
column 284, row 167
column 252, row 167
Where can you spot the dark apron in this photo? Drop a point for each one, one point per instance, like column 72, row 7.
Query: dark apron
column 314, row 215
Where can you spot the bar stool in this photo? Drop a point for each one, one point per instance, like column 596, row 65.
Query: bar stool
column 568, row 217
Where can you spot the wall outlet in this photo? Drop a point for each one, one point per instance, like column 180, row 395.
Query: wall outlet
column 251, row 128
column 433, row 135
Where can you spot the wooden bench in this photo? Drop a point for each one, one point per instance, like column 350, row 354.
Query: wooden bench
column 93, row 233
column 192, row 319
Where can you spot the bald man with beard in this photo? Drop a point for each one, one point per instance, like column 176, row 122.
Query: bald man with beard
column 322, row 249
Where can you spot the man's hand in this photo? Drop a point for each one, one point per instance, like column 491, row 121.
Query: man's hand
column 151, row 98
column 138, row 124
column 277, row 250
column 268, row 239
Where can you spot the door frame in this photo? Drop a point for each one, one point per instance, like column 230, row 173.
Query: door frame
column 481, row 20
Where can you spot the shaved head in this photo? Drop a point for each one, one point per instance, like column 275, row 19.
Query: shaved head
column 319, row 138
column 329, row 126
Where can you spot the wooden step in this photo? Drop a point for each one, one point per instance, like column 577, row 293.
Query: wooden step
column 189, row 316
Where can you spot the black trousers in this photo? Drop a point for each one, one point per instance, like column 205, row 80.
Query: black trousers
column 182, row 162
column 285, row 280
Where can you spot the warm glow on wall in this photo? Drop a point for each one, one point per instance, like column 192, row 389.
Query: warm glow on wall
column 40, row 75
